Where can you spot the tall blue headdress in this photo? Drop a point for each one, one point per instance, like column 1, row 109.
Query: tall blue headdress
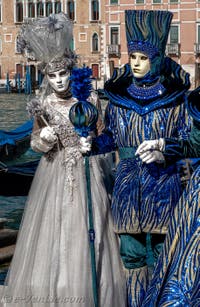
column 147, row 32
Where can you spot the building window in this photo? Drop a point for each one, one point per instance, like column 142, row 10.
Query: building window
column 174, row 35
column 82, row 37
column 139, row 2
column 95, row 42
column 8, row 38
column 71, row 9
column 198, row 34
column 31, row 8
column 57, row 7
column 156, row 1
column 49, row 8
column 40, row 9
column 19, row 70
column 0, row 10
column 114, row 35
column 113, row 1
column 19, row 10
column 173, row 1
column 94, row 10
column 95, row 71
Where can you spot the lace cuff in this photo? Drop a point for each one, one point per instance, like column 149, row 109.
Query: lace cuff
column 39, row 145
column 161, row 144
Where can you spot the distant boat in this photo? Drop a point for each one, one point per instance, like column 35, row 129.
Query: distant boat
column 15, row 142
column 15, row 180
column 3, row 88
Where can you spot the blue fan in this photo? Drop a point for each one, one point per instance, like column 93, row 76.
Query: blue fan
column 83, row 114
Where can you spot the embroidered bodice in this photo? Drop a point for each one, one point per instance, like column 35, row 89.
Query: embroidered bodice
column 57, row 111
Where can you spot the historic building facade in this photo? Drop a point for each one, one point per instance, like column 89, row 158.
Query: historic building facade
column 89, row 31
column 99, row 33
column 184, row 38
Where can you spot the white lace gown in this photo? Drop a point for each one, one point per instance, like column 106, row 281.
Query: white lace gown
column 51, row 265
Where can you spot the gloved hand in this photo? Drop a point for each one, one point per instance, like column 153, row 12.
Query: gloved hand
column 85, row 144
column 150, row 145
column 152, row 156
column 47, row 134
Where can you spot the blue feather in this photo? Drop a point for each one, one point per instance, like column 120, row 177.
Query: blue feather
column 81, row 83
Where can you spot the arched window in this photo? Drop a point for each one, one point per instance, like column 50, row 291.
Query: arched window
column 49, row 8
column 40, row 9
column 95, row 71
column 95, row 42
column 31, row 9
column 57, row 7
column 71, row 9
column 19, row 11
column 95, row 10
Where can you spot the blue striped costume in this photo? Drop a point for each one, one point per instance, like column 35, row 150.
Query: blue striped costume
column 144, row 196
column 176, row 279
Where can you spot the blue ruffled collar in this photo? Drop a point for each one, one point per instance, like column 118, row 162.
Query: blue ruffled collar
column 126, row 102
column 122, row 92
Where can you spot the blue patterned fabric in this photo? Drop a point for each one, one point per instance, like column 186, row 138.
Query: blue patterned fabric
column 144, row 195
column 193, row 104
column 176, row 280
column 180, row 149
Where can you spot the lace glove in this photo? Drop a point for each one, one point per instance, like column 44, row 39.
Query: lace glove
column 152, row 156
column 47, row 134
column 39, row 140
column 151, row 151
column 85, row 144
column 151, row 145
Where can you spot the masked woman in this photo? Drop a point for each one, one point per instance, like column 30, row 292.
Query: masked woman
column 146, row 101
column 176, row 276
column 52, row 264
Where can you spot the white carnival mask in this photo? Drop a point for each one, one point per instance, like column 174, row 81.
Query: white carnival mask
column 59, row 80
column 140, row 64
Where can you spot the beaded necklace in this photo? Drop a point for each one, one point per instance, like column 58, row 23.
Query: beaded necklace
column 146, row 92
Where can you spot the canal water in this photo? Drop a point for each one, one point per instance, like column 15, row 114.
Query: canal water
column 12, row 114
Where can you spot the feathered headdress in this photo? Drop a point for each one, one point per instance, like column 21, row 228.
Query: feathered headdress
column 147, row 32
column 47, row 40
column 46, row 37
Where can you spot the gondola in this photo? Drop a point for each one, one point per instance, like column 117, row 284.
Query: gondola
column 15, row 142
column 15, row 180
